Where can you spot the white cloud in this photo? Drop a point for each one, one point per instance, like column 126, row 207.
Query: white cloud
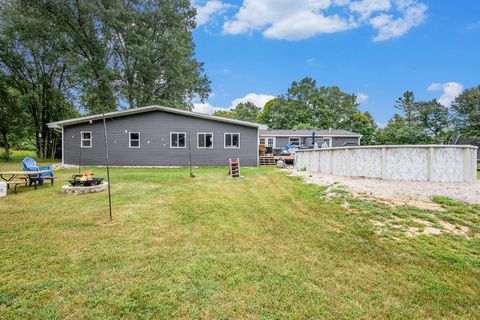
column 414, row 14
column 258, row 99
column 366, row 7
column 284, row 19
column 204, row 108
column 211, row 8
column 302, row 19
column 362, row 98
column 435, row 86
column 450, row 91
column 305, row 25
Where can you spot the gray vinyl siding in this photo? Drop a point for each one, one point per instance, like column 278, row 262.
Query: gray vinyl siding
column 341, row 141
column 336, row 141
column 281, row 141
column 155, row 128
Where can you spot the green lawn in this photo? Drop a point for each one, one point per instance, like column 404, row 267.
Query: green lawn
column 266, row 246
column 16, row 156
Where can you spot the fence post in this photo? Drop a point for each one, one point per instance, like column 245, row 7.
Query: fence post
column 348, row 159
column 466, row 165
column 330, row 159
column 430, row 164
column 384, row 163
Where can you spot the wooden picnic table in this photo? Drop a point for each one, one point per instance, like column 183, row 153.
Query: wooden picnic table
column 10, row 176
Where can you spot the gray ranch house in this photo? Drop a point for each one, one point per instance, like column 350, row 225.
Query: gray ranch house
column 303, row 138
column 158, row 136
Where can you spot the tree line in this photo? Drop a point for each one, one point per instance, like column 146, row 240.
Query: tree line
column 63, row 58
column 312, row 107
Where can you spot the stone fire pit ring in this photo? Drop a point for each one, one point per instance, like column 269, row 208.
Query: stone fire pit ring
column 83, row 190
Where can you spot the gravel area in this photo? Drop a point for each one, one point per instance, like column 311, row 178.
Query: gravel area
column 401, row 190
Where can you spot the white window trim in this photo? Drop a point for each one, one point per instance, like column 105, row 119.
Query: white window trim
column 81, row 139
column 198, row 140
column 299, row 140
column 225, row 140
column 174, row 132
column 274, row 143
column 130, row 140
column 329, row 139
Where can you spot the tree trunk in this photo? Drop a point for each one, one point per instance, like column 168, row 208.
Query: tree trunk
column 6, row 145
column 53, row 146
column 38, row 141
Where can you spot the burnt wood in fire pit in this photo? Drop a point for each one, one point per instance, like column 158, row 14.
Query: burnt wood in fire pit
column 85, row 180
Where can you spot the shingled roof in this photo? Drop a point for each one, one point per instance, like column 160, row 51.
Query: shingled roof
column 308, row 133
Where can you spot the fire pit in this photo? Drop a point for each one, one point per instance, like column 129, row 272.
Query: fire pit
column 85, row 180
column 84, row 183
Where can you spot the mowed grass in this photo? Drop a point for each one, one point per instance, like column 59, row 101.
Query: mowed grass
column 262, row 247
column 16, row 156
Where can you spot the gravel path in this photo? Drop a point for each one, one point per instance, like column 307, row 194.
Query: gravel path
column 401, row 190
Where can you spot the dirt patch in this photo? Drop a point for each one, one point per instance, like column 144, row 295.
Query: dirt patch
column 398, row 193
column 395, row 202
column 426, row 228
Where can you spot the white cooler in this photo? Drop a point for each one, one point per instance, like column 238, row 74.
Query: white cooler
column 3, row 189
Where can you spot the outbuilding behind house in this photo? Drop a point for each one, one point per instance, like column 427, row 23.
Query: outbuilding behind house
column 303, row 138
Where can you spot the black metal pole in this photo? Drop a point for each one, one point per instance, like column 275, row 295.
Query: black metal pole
column 108, row 167
column 190, row 155
column 80, row 155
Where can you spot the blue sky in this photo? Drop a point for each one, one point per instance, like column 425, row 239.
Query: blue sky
column 254, row 49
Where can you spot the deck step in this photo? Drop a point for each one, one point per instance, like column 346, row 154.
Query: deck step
column 267, row 161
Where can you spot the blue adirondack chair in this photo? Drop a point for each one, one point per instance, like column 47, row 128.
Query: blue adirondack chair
column 31, row 165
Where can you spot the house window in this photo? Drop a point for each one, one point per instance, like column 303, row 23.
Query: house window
column 270, row 142
column 86, row 139
column 232, row 140
column 323, row 142
column 134, row 140
column 294, row 142
column 262, row 141
column 204, row 140
column 177, row 139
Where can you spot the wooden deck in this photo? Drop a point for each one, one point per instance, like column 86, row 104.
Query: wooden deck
column 272, row 160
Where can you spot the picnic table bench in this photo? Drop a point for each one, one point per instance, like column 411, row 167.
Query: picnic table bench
column 16, row 178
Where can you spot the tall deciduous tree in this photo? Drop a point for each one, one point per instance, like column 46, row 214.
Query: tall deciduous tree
column 89, row 47
column 13, row 119
column 432, row 116
column 399, row 131
column 153, row 51
column 138, row 52
column 321, row 107
column 466, row 112
column 406, row 104
column 223, row 113
column 364, row 124
column 31, row 58
column 264, row 115
column 245, row 111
